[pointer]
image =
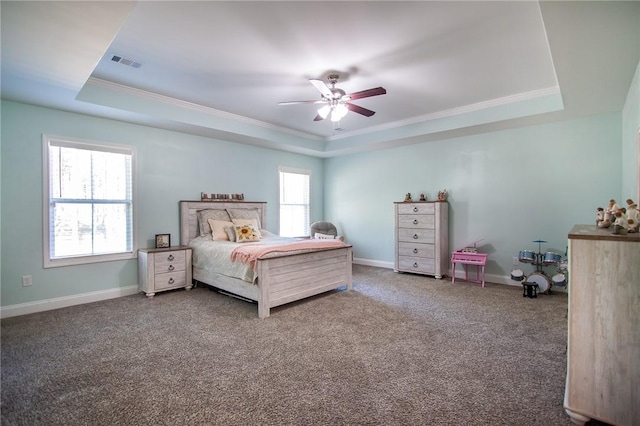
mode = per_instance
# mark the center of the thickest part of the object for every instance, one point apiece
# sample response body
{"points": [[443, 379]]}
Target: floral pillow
{"points": [[251, 222], [246, 233]]}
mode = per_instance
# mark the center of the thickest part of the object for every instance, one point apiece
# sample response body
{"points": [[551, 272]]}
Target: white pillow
{"points": [[245, 214], [217, 227], [251, 222], [231, 233], [205, 215], [320, 236]]}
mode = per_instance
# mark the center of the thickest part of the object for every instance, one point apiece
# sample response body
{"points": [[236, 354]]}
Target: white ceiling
{"points": [[219, 69]]}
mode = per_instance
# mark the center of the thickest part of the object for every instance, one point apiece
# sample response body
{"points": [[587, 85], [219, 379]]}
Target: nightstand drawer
{"points": [[169, 261], [169, 280]]}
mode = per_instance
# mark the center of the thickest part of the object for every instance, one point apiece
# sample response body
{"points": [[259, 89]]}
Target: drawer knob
{"points": [[415, 250], [171, 268], [415, 221], [170, 257], [415, 209], [415, 264], [415, 236], [171, 281]]}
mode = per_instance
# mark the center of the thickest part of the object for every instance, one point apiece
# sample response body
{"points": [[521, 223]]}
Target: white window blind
{"points": [[89, 211], [294, 202]]}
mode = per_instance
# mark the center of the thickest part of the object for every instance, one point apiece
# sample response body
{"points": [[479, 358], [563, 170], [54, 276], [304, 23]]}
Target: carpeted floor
{"points": [[399, 349]]}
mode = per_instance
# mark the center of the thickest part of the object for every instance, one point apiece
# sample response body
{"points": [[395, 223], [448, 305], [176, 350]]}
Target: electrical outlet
{"points": [[516, 262], [26, 281]]}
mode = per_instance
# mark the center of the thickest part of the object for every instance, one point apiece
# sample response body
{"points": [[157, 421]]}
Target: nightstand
{"points": [[164, 269]]}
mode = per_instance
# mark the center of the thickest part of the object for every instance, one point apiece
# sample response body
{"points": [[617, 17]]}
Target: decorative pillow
{"points": [[319, 236], [217, 227], [251, 222], [231, 233], [205, 215], [245, 233], [245, 214]]}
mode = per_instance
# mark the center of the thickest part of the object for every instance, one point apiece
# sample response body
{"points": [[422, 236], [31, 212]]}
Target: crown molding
{"points": [[467, 109], [98, 82]]}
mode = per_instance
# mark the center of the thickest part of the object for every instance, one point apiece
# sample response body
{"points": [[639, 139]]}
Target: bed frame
{"points": [[282, 279]]}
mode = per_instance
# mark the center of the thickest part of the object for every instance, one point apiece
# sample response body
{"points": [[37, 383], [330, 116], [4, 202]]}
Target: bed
{"points": [[273, 278]]}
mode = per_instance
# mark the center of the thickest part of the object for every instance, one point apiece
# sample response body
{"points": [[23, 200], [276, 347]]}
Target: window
{"points": [[89, 210], [294, 202]]}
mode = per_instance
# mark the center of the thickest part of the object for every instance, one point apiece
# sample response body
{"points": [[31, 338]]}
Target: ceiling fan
{"points": [[335, 102]]}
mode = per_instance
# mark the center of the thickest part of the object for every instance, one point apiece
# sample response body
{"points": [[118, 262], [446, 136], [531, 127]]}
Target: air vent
{"points": [[125, 61]]}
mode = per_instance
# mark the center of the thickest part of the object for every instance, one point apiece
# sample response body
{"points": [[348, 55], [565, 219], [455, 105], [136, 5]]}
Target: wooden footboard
{"points": [[289, 278]]}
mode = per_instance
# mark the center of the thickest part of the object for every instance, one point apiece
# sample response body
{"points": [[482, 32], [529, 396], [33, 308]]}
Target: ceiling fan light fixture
{"points": [[338, 112], [336, 103], [324, 111]]}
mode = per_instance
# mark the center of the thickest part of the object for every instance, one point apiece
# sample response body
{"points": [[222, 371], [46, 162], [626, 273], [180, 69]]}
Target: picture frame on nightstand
{"points": [[163, 240]]}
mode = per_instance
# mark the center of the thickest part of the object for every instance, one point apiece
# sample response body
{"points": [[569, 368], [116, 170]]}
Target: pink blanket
{"points": [[249, 253]]}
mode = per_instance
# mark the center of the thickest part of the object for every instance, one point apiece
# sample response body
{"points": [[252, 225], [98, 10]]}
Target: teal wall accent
{"points": [[509, 187], [631, 140], [171, 166]]}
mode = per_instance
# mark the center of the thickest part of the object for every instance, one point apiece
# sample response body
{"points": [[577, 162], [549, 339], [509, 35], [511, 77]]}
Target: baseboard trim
{"points": [[64, 302], [96, 296], [488, 278], [376, 263]]}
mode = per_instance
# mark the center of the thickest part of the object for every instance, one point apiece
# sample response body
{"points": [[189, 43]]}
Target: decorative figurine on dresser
{"points": [[421, 237]]}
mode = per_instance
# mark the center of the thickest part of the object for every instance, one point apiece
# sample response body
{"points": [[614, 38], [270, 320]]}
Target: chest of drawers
{"points": [[422, 238], [603, 342], [164, 269]]}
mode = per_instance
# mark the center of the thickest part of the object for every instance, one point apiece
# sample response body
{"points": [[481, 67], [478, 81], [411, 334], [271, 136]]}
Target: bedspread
{"points": [[215, 256], [249, 253]]}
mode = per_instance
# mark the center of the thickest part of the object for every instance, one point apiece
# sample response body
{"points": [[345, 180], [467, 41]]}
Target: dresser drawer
{"points": [[417, 250], [169, 261], [416, 208], [417, 235], [416, 264], [170, 280], [416, 221]]}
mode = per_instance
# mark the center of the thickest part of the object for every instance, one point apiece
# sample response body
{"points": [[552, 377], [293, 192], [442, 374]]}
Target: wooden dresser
{"points": [[164, 269], [603, 353], [422, 238]]}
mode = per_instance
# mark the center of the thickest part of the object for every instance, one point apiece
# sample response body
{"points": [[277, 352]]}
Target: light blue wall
{"points": [[631, 140], [170, 167], [509, 187]]}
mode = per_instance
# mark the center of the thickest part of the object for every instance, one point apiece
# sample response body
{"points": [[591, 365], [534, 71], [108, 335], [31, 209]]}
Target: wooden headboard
{"points": [[189, 214]]}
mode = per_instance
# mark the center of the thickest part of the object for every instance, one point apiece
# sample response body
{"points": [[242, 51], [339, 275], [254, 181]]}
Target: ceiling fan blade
{"points": [[367, 93], [319, 101], [318, 118], [322, 87], [356, 108]]}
